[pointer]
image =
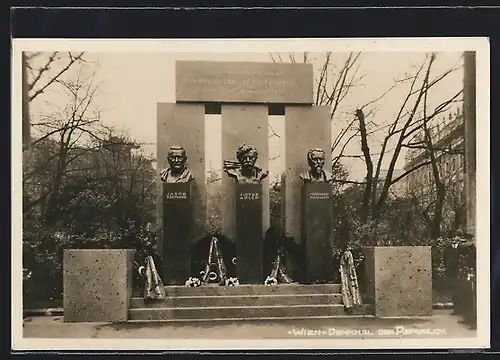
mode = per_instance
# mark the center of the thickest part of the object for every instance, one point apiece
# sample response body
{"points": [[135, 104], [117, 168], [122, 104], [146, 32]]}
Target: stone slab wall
{"points": [[243, 82]]}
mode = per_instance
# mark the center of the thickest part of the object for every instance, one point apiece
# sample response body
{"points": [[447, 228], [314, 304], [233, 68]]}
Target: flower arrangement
{"points": [[232, 281], [193, 282], [270, 280]]}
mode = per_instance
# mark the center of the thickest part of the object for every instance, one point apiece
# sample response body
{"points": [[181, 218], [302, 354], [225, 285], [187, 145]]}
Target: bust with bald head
{"points": [[178, 172], [316, 173]]}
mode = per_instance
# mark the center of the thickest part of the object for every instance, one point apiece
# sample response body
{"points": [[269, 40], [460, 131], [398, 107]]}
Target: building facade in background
{"points": [[447, 134]]}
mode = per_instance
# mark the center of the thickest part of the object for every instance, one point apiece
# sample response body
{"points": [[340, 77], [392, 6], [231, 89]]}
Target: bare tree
{"points": [[334, 82], [49, 70], [412, 117], [40, 72], [70, 130]]}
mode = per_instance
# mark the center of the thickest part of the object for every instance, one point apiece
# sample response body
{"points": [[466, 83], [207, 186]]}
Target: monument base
{"points": [[249, 234], [399, 280], [97, 285], [317, 231], [178, 225]]}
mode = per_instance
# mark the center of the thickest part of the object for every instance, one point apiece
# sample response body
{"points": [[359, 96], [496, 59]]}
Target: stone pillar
{"points": [[317, 231], [470, 138], [249, 233], [306, 127], [243, 124], [178, 220], [97, 284], [183, 125]]}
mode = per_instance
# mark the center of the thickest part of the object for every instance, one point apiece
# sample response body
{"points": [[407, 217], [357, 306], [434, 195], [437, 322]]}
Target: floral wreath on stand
{"points": [[278, 272], [215, 260]]}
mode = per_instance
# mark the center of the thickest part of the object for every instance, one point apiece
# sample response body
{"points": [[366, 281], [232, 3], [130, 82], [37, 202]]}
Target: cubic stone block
{"points": [[97, 284], [399, 280], [244, 82]]}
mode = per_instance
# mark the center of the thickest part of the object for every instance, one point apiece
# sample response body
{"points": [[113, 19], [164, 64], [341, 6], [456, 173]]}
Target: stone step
{"points": [[239, 300], [241, 312], [214, 290]]}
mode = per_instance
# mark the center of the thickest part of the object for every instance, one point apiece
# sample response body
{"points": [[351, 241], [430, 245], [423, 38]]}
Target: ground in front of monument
{"points": [[440, 325]]}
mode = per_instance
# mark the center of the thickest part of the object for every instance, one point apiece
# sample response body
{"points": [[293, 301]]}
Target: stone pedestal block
{"points": [[178, 225], [399, 280], [317, 231], [249, 239], [97, 285]]}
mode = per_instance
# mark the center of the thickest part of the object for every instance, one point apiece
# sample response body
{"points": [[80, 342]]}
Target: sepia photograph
{"points": [[266, 194]]}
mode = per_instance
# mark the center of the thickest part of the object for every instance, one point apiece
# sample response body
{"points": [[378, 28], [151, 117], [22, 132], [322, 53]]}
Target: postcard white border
{"points": [[479, 45]]}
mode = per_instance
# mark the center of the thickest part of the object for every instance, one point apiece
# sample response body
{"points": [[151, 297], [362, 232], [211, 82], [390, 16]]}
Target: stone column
{"points": [[306, 127], [470, 138], [183, 125], [243, 124]]}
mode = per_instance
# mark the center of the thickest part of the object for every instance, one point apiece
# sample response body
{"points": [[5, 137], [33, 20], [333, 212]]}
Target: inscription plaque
{"points": [[178, 221], [317, 231], [249, 238], [244, 82]]}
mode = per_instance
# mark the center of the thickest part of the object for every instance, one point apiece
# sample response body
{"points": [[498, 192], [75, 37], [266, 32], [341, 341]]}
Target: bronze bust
{"points": [[178, 172], [244, 170], [316, 174]]}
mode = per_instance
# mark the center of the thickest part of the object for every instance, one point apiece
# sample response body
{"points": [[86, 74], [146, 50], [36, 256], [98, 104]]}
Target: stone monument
{"points": [[317, 218], [178, 217], [245, 92], [248, 179]]}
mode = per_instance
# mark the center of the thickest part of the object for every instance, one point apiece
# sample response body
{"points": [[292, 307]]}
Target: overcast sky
{"points": [[132, 83]]}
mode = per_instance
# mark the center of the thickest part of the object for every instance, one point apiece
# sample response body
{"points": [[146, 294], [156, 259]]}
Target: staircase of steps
{"points": [[244, 302]]}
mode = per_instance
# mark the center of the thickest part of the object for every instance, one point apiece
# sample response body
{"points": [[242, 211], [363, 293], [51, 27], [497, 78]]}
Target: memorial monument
{"points": [[244, 93], [248, 213], [317, 218], [178, 217]]}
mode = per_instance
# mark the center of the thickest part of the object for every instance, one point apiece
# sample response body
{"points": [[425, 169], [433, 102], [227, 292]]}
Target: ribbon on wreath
{"points": [[215, 262], [153, 286], [231, 165]]}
